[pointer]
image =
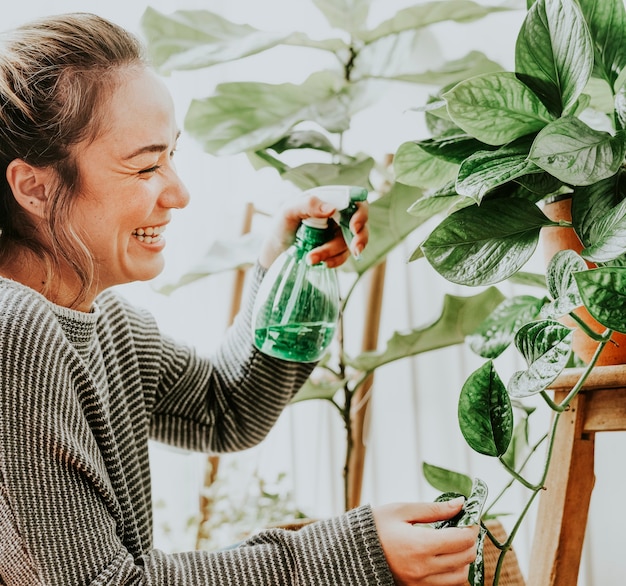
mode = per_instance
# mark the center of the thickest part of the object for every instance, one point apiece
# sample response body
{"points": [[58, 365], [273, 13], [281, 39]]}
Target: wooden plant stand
{"points": [[564, 505]]}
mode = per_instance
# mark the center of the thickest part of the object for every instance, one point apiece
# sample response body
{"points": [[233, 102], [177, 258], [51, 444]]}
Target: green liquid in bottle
{"points": [[303, 342]]}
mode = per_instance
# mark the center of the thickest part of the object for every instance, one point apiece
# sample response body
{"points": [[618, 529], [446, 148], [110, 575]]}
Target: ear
{"points": [[30, 185]]}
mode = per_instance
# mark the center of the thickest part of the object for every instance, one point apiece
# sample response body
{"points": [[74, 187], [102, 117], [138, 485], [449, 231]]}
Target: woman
{"points": [[87, 136]]}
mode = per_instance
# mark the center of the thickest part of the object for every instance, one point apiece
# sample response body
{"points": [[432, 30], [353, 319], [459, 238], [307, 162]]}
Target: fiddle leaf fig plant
{"points": [[275, 123], [506, 144]]}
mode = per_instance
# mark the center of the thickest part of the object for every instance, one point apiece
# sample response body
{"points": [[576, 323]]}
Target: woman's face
{"points": [[129, 183]]}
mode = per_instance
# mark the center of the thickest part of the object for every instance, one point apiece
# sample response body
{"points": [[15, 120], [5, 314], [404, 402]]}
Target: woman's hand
{"points": [[419, 555], [333, 253]]}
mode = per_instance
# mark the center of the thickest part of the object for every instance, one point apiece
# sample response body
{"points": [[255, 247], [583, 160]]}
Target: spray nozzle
{"points": [[344, 199]]}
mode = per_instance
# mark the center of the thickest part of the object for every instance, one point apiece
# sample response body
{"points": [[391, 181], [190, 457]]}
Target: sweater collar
{"points": [[78, 326]]}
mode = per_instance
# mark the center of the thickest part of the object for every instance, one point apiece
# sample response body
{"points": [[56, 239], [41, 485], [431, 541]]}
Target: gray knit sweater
{"points": [[81, 394]]}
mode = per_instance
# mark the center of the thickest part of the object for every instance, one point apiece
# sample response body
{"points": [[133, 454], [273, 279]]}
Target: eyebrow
{"points": [[150, 148]]}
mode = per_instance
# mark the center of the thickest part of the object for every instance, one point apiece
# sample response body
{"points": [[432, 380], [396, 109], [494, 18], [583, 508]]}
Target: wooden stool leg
{"points": [[564, 505]]}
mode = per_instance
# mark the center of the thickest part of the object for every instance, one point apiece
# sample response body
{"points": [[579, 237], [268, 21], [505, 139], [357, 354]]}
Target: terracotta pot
{"points": [[555, 239]]}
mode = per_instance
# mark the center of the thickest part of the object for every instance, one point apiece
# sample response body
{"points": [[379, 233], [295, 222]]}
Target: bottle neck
{"points": [[308, 237]]}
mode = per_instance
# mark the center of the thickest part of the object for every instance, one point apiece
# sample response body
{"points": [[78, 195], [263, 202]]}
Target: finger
{"points": [[333, 253], [449, 539], [431, 512], [456, 577]]}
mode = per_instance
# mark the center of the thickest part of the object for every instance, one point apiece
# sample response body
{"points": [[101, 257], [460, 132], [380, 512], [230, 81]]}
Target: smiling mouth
{"points": [[149, 234]]}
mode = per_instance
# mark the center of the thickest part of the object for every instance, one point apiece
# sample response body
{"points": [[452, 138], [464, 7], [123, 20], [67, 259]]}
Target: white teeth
{"points": [[149, 234]]}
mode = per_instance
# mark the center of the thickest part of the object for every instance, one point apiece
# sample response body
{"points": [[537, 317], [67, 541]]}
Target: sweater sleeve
{"points": [[230, 401], [342, 551]]}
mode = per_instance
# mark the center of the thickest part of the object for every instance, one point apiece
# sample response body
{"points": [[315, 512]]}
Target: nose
{"points": [[175, 194]]}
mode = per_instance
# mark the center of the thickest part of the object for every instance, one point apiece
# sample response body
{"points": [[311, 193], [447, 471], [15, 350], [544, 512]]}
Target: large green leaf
{"points": [[451, 72], [313, 174], [348, 15], [607, 24], [193, 39], [577, 154], [415, 166], [243, 116], [495, 334], [453, 146], [485, 413], [389, 225], [591, 202], [547, 346], [428, 13], [562, 285], [446, 480], [554, 53], [304, 139], [496, 108], [608, 236], [432, 204], [485, 170], [318, 389], [459, 317], [603, 291], [487, 243]]}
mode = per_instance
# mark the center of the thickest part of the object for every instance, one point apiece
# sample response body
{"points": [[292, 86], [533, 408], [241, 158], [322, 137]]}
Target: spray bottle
{"points": [[297, 307]]}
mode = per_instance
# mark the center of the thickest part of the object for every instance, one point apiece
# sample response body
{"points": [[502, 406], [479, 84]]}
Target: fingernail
{"points": [[356, 252], [326, 208], [454, 503]]}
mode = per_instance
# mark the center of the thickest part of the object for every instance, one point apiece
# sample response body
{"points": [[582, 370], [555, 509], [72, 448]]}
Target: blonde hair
{"points": [[56, 74]]}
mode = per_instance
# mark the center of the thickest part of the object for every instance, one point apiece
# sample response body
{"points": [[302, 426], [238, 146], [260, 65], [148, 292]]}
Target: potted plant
{"points": [[503, 146], [274, 124]]}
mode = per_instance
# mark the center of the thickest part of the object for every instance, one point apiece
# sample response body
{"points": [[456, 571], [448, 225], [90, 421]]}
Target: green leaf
{"points": [[191, 39], [447, 480], [451, 72], [577, 154], [485, 244], [313, 174], [495, 334], [304, 139], [431, 205], [607, 25], [528, 279], [459, 317], [223, 255], [547, 346], [540, 184], [608, 235], [428, 13], [321, 389], [590, 203], [519, 444], [485, 413], [348, 15], [603, 292], [243, 116], [562, 285], [453, 146], [389, 225], [415, 166], [496, 108], [485, 170], [554, 53]]}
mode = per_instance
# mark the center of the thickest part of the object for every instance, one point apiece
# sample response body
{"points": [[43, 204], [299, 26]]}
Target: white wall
{"points": [[414, 401]]}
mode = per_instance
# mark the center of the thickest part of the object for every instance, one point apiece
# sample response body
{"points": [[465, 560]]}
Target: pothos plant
{"points": [[271, 122], [502, 145]]}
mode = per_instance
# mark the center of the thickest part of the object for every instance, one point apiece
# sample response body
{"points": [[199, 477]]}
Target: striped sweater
{"points": [[80, 396]]}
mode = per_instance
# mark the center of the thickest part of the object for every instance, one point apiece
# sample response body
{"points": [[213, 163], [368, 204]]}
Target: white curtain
{"points": [[412, 416]]}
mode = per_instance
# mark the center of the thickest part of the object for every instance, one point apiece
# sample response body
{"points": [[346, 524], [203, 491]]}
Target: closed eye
{"points": [[150, 170]]}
